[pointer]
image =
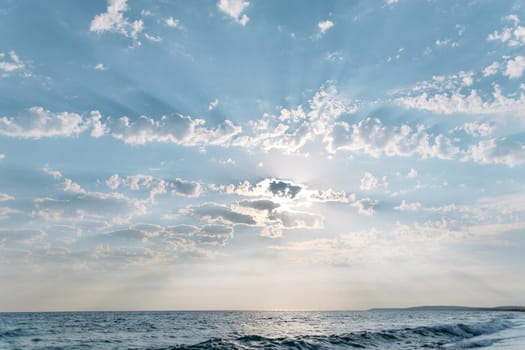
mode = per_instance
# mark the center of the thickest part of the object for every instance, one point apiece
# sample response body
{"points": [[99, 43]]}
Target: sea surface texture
{"points": [[263, 330]]}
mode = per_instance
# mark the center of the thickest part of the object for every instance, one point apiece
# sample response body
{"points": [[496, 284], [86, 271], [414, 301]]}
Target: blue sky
{"points": [[261, 154]]}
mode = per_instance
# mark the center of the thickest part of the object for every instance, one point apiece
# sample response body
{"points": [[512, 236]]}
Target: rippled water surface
{"points": [[263, 330]]}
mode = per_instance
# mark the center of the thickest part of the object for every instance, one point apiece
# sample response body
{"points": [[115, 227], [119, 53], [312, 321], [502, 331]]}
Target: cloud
{"points": [[370, 136], [412, 173], [368, 182], [55, 174], [324, 26], [4, 197], [456, 102], [235, 9], [404, 206], [213, 104], [475, 129], [365, 206], [293, 128], [40, 123], [23, 236], [11, 62], [173, 23], [491, 69], [178, 129], [284, 191], [113, 20], [515, 67], [100, 66], [153, 38], [262, 213], [155, 186], [110, 207], [212, 212], [512, 36], [506, 151]]}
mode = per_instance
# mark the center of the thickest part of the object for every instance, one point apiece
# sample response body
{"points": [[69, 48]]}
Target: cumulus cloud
{"points": [[110, 207], [365, 206], [368, 182], [323, 26], [491, 69], [113, 20], [293, 128], [515, 67], [284, 191], [513, 35], [155, 186], [506, 151], [100, 66], [21, 236], [412, 173], [39, 123], [213, 104], [55, 174], [173, 23], [457, 102], [4, 197], [178, 129], [404, 206], [264, 214], [235, 9], [372, 137], [10, 62]]}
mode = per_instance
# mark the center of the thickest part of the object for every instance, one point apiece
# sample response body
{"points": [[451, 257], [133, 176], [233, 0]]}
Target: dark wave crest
{"points": [[405, 338]]}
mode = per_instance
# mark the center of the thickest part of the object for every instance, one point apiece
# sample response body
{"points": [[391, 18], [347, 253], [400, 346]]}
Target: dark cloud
{"points": [[260, 204], [214, 212], [284, 189]]}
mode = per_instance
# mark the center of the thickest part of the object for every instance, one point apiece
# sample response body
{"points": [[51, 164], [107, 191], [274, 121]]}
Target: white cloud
{"points": [[456, 102], [370, 136], [39, 123], [324, 26], [235, 9], [113, 20], [2, 156], [368, 182], [154, 38], [391, 2], [404, 206], [100, 66], [10, 62], [155, 186], [69, 185], [365, 206], [412, 173], [515, 67], [512, 36], [491, 69], [173, 23], [503, 151], [293, 128], [4, 197], [55, 174], [178, 129], [475, 129], [213, 104]]}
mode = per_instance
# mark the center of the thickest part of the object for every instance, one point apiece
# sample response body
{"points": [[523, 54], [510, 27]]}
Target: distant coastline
{"points": [[451, 308]]}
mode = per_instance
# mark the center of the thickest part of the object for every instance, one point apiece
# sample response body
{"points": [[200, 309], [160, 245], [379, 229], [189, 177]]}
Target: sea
{"points": [[380, 329]]}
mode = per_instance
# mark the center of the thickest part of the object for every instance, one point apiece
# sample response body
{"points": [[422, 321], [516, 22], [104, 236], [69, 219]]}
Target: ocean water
{"points": [[264, 330]]}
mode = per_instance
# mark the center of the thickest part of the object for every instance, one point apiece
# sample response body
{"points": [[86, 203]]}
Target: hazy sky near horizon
{"points": [[259, 154]]}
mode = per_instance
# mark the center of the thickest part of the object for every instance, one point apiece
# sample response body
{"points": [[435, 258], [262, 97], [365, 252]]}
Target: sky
{"points": [[261, 155]]}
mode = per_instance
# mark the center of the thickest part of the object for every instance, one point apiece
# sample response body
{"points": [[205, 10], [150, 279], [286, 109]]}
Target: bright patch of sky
{"points": [[240, 154]]}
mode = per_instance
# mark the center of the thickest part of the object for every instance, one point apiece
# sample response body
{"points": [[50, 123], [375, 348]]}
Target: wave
{"points": [[404, 338]]}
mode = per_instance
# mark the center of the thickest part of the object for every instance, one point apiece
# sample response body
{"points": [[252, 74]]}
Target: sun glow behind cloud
{"points": [[231, 155]]}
